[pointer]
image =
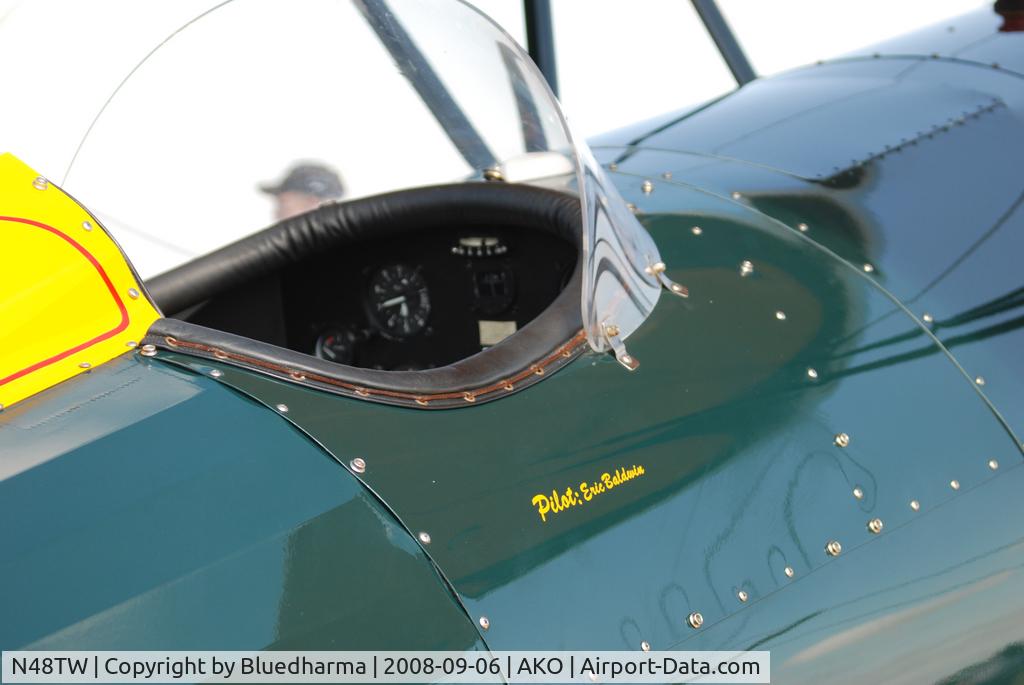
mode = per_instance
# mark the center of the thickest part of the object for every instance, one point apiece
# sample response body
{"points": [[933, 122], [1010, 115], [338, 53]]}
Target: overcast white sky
{"points": [[619, 62]]}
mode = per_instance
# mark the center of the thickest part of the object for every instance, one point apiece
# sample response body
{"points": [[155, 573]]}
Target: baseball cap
{"points": [[312, 179]]}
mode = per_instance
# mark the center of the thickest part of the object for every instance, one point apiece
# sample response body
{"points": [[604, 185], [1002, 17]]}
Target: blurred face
{"points": [[290, 203]]}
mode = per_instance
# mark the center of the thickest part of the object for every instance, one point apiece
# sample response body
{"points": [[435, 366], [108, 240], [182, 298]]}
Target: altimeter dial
{"points": [[399, 300]]}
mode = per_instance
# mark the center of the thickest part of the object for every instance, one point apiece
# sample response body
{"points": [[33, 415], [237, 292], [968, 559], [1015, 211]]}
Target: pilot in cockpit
{"points": [[306, 186]]}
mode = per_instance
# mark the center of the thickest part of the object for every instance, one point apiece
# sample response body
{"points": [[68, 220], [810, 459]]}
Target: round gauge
{"points": [[336, 345], [399, 300]]}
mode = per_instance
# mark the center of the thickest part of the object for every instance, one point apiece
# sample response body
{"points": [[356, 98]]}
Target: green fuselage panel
{"points": [[142, 507]]}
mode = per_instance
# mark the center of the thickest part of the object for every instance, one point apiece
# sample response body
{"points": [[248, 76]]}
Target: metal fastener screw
{"points": [[812, 373], [283, 408], [955, 484], [833, 548], [696, 230], [133, 293], [647, 187], [780, 315], [485, 622], [131, 343], [842, 440], [645, 645], [742, 595], [915, 505], [358, 465], [40, 183], [993, 464], [87, 225], [858, 493], [746, 267], [802, 227], [424, 537], [216, 373], [148, 351], [789, 571], [695, 620], [928, 318], [875, 526]]}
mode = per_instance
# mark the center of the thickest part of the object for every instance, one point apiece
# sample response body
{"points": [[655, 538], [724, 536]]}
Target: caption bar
{"points": [[386, 667]]}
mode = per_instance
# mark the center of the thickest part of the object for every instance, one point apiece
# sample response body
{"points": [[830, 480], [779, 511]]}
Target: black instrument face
{"points": [[399, 301], [337, 345]]}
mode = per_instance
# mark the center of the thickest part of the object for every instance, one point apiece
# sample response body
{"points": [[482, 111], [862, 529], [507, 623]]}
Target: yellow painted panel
{"points": [[69, 300]]}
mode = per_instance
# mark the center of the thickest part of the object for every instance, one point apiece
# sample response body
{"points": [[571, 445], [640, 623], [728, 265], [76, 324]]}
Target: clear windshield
{"points": [[257, 110]]}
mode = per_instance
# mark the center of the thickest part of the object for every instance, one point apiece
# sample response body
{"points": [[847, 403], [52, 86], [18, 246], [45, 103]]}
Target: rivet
{"points": [[667, 175], [362, 392], [842, 440], [802, 227], [424, 537], [148, 351], [647, 187], [40, 183], [131, 343], [993, 464], [358, 465], [789, 571], [493, 174], [219, 354], [469, 397], [833, 548], [631, 207], [422, 402], [858, 493], [612, 166], [539, 371], [736, 195], [509, 387], [87, 225], [85, 365], [297, 375], [812, 373], [868, 268], [780, 315], [746, 267], [955, 484], [928, 318], [485, 622], [645, 645], [915, 505], [742, 595], [696, 230], [173, 342], [695, 620], [216, 373], [283, 408], [875, 526], [611, 330], [980, 380], [133, 293]]}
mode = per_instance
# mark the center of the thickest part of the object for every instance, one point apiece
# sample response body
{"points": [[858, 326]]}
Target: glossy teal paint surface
{"points": [[146, 508], [742, 476], [895, 175]]}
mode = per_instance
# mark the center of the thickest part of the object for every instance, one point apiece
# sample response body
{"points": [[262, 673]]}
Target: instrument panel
{"points": [[422, 300]]}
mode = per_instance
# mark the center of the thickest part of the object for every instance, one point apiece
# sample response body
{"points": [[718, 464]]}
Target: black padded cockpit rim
{"points": [[541, 347]]}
